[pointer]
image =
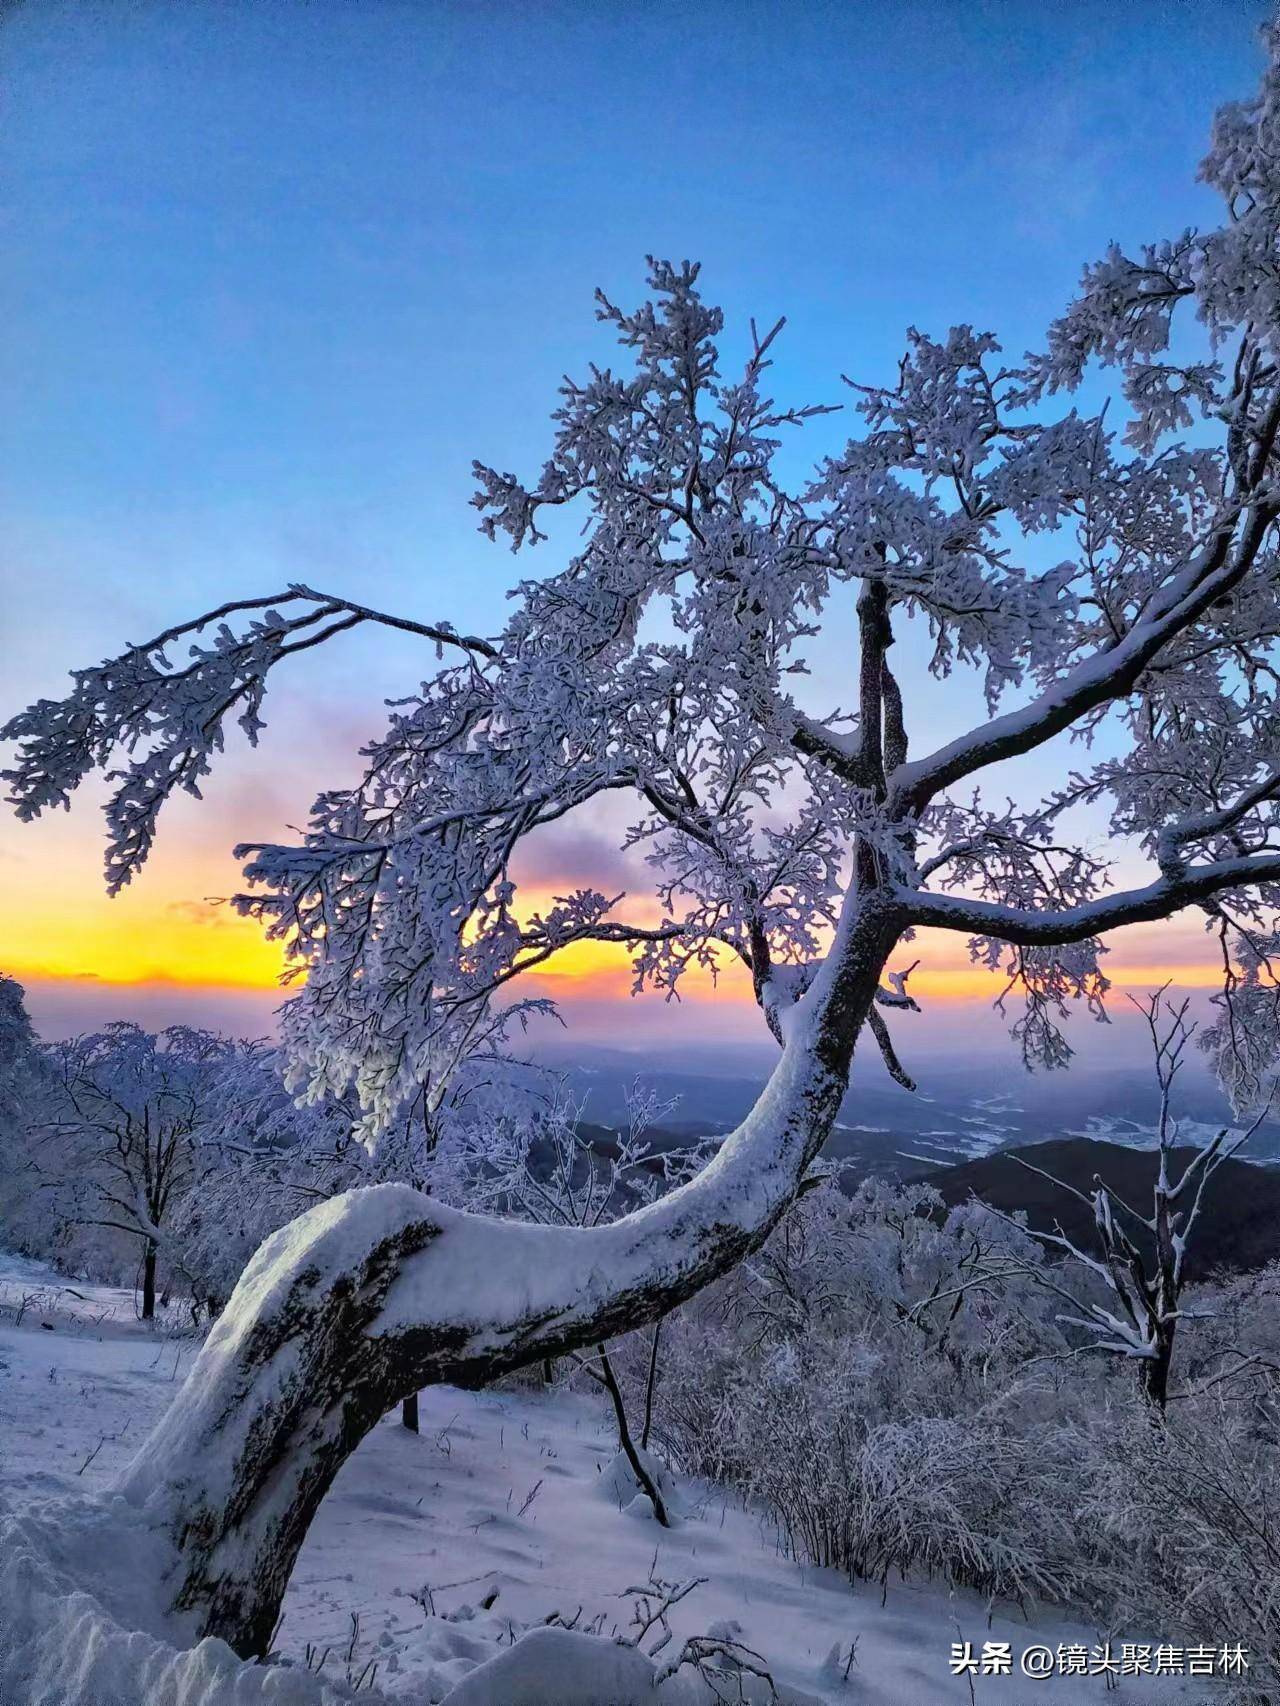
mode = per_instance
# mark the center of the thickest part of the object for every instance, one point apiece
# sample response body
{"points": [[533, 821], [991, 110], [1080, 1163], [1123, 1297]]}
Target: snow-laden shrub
{"points": [[888, 1401], [972, 1499], [894, 1392], [885, 1292], [1191, 1509]]}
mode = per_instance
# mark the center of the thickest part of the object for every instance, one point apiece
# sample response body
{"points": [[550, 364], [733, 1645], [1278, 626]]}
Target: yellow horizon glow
{"points": [[164, 950], [151, 936], [154, 952]]}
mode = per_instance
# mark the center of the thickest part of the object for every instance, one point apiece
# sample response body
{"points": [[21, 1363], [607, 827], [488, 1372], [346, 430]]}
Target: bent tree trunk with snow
{"points": [[664, 661], [382, 1291]]}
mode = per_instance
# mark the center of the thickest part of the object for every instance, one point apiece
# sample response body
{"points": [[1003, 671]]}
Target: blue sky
{"points": [[276, 273]]}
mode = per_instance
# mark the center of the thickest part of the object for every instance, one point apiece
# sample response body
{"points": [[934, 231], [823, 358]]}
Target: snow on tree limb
{"points": [[1029, 925]]}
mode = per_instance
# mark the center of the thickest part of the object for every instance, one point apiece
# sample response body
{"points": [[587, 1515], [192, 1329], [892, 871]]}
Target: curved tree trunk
{"points": [[371, 1295]]}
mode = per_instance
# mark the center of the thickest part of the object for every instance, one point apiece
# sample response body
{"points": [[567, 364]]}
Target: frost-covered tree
{"points": [[20, 1087], [117, 1135], [663, 662], [261, 1160], [18, 1060], [1136, 1274]]}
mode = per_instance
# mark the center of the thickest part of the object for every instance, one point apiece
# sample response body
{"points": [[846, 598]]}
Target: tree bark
{"points": [[652, 1380], [149, 1281], [368, 1297], [409, 1413], [1154, 1372], [646, 1482]]}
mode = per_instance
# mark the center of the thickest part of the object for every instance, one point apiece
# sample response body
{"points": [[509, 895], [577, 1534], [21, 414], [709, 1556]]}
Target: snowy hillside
{"points": [[433, 1554]]}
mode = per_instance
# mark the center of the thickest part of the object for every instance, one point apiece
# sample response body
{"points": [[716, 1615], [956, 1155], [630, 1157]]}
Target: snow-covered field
{"points": [[433, 1553]]}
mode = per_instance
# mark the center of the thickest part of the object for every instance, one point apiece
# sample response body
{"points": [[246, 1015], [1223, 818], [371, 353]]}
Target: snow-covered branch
{"points": [[177, 712], [1158, 899]]}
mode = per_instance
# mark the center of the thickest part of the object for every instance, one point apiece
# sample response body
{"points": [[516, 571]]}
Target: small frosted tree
{"points": [[1137, 1272], [21, 1083], [18, 1061], [663, 662], [118, 1132], [260, 1161]]}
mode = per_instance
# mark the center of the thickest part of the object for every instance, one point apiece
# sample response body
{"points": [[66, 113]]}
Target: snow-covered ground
{"points": [[503, 1512]]}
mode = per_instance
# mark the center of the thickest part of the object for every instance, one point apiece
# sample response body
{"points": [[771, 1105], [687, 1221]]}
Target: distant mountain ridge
{"points": [[959, 1113], [1238, 1226], [962, 1130]]}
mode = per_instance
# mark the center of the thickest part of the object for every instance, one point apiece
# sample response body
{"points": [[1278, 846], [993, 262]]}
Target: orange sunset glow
{"points": [[145, 936]]}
